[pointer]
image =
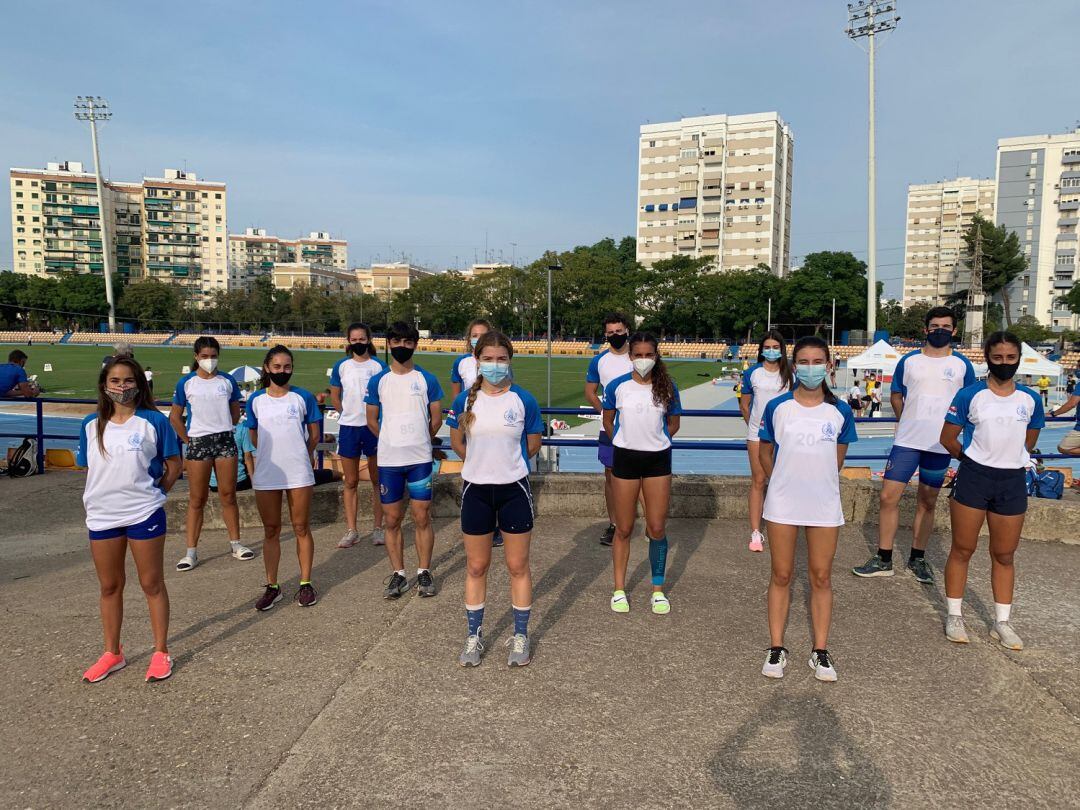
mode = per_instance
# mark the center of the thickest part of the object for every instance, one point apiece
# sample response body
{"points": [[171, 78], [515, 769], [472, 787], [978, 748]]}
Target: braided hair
{"points": [[489, 338], [663, 389]]}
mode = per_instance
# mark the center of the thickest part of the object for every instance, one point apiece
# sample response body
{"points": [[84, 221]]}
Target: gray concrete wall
{"points": [[704, 497]]}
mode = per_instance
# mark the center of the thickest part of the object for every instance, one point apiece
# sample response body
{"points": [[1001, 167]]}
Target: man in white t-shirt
{"points": [[604, 368], [923, 386]]}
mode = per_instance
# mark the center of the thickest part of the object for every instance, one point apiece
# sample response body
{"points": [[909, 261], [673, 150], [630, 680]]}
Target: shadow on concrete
{"points": [[794, 753]]}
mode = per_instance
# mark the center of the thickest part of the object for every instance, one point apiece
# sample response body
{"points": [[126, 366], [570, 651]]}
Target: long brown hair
{"points": [[264, 377], [468, 332], [787, 375], [663, 389], [489, 338], [106, 407]]}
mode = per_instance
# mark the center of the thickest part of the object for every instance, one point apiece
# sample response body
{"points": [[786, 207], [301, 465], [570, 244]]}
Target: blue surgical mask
{"points": [[494, 373], [474, 341], [772, 355], [811, 376]]}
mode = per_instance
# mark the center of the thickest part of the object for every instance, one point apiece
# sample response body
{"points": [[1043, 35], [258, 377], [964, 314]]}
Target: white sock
{"points": [[954, 606], [419, 571], [400, 571], [193, 553], [1001, 612], [235, 544]]}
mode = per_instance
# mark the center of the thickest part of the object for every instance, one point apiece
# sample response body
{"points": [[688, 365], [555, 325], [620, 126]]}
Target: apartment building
{"points": [[938, 215], [486, 268], [1038, 198], [255, 252], [287, 275], [716, 186], [386, 279], [171, 228]]}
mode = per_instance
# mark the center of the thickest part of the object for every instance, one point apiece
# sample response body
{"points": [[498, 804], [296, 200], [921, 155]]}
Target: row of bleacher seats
{"points": [[249, 341], [134, 338], [37, 337]]}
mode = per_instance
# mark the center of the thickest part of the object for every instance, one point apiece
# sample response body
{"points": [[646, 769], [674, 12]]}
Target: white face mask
{"points": [[643, 365], [208, 364]]}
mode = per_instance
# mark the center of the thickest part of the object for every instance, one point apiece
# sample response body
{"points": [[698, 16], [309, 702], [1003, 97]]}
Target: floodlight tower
{"points": [[867, 18], [94, 109]]}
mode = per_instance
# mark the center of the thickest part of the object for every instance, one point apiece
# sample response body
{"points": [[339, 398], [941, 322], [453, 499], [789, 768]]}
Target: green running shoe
{"points": [[619, 602]]}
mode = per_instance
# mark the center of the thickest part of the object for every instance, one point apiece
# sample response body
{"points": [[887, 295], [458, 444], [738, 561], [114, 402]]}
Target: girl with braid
{"points": [[495, 427], [641, 414]]}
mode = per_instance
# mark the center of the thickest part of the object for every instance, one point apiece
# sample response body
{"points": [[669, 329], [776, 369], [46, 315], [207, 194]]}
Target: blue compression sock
{"points": [[658, 559], [475, 616], [521, 620]]}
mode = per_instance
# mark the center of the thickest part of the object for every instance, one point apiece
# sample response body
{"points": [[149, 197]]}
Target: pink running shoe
{"points": [[105, 666], [757, 541], [160, 667]]}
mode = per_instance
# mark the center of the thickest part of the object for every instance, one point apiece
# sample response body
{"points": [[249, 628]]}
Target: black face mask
{"points": [[402, 353], [279, 377], [617, 341], [1003, 371], [939, 338], [359, 349]]}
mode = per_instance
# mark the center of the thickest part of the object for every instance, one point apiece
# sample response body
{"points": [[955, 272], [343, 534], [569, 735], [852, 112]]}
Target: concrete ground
{"points": [[360, 702]]}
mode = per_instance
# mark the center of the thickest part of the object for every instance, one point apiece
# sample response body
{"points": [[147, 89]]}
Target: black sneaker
{"points": [[497, 539], [425, 584], [608, 535], [398, 585], [271, 596], [306, 596]]}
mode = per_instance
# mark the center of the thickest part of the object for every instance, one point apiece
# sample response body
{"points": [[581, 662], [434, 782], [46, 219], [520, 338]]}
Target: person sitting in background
{"points": [[13, 379]]}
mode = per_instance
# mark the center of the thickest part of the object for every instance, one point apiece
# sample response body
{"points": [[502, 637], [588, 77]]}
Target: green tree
{"points": [[1030, 330], [901, 322], [1002, 260], [11, 284], [736, 303], [807, 295], [149, 302], [671, 297], [41, 298]]}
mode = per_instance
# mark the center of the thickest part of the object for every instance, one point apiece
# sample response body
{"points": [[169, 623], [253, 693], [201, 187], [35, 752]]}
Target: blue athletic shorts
{"points": [[605, 453], [1003, 492], [393, 480], [903, 461], [356, 441], [485, 507], [153, 526]]}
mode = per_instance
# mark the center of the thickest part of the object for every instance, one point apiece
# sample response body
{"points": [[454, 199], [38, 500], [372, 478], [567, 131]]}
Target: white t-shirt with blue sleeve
{"points": [[762, 386], [640, 424], [282, 460], [404, 402], [464, 371], [606, 367], [497, 449], [804, 489], [352, 377], [995, 427], [928, 385], [122, 484], [207, 402]]}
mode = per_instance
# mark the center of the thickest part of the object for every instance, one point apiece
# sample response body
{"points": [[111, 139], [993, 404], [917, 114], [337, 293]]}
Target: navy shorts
{"points": [[153, 526], [903, 461], [605, 453], [508, 507], [356, 441], [638, 464], [394, 480], [1003, 492]]}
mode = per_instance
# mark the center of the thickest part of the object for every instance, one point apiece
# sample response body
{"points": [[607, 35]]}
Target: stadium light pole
{"points": [[94, 109], [867, 18]]}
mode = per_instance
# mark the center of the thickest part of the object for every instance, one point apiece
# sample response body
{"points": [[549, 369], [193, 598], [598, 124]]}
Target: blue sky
{"points": [[434, 128]]}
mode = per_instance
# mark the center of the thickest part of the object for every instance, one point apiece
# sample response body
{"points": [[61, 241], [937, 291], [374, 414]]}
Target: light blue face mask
{"points": [[474, 341], [811, 376], [772, 355], [494, 373]]}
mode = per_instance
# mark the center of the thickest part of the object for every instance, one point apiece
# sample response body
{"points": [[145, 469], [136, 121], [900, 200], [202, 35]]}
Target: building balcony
{"points": [[1066, 237], [1069, 205], [1063, 283], [1070, 160]]}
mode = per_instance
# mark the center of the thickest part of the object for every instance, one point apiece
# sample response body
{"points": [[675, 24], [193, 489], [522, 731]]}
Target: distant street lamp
{"points": [[94, 109]]}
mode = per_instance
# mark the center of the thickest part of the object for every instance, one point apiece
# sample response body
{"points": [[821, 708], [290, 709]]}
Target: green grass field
{"points": [[75, 370]]}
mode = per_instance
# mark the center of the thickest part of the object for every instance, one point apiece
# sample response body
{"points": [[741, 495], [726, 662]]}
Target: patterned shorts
{"points": [[211, 446]]}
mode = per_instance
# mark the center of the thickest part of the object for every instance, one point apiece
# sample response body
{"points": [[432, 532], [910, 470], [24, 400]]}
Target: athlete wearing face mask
{"points": [[464, 369], [604, 368], [205, 409], [992, 426], [349, 379], [923, 385]]}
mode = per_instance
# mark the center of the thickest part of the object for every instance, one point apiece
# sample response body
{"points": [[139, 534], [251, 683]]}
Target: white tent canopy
{"points": [[1031, 362], [879, 357]]}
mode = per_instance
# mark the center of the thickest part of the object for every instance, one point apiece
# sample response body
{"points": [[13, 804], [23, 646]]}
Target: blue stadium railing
{"points": [[550, 441]]}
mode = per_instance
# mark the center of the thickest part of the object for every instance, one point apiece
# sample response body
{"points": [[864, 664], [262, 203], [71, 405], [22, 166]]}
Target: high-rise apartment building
{"points": [[386, 279], [1038, 198], [171, 228], [255, 252], [716, 186], [938, 215]]}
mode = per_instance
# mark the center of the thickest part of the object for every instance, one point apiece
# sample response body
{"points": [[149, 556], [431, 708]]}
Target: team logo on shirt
{"points": [[1022, 415], [415, 387], [135, 441], [510, 417], [828, 432], [952, 410], [293, 412], [222, 389], [949, 374]]}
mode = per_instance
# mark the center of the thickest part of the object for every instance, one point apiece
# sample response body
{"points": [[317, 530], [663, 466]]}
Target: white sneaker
{"points": [[1003, 633], [821, 663], [349, 539], [378, 537], [757, 541], [775, 663]]}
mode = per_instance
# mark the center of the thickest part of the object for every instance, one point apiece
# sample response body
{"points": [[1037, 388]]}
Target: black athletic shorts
{"points": [[636, 464], [506, 506], [1003, 492], [211, 446]]}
